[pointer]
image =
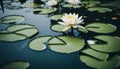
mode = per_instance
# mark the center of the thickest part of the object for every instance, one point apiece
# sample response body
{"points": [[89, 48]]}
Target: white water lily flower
{"points": [[91, 42], [71, 21], [51, 2], [75, 2]]}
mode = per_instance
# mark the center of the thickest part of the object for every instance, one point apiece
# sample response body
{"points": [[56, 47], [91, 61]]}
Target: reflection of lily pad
{"points": [[56, 17], [25, 29], [57, 27], [70, 5], [100, 9], [101, 27], [37, 44], [45, 11], [16, 65], [96, 54], [12, 19], [111, 46], [108, 64], [11, 37], [72, 45]]}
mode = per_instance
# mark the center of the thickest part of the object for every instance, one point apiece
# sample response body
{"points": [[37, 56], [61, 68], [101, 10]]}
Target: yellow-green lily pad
{"points": [[38, 44], [55, 17], [111, 63], [57, 28], [70, 5], [16, 65], [11, 37], [101, 28], [73, 44], [12, 19], [91, 3], [99, 9], [111, 46], [96, 54]]}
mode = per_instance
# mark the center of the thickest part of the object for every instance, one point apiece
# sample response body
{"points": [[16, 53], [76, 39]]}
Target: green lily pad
{"points": [[25, 29], [45, 11], [16, 65], [12, 19], [94, 63], [84, 30], [99, 9], [96, 54], [91, 3], [55, 17], [37, 44], [101, 28], [11, 37], [56, 41], [57, 28], [70, 5], [111, 46], [18, 27], [73, 44]]}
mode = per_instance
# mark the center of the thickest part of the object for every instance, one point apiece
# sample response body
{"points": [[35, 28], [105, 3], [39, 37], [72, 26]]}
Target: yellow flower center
{"points": [[70, 16]]}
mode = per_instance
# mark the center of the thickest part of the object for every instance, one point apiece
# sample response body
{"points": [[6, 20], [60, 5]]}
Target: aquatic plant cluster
{"points": [[97, 46]]}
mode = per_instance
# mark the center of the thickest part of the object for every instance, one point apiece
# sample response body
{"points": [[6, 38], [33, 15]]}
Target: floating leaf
{"points": [[91, 3], [37, 44], [96, 54], [12, 19], [109, 64], [111, 46], [101, 27], [11, 37], [83, 30], [73, 44], [55, 17], [56, 41], [45, 11], [16, 65], [17, 27], [25, 29], [100, 9], [70, 5], [57, 28]]}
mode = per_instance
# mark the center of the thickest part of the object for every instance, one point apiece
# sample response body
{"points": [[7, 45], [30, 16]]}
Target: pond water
{"points": [[47, 59]]}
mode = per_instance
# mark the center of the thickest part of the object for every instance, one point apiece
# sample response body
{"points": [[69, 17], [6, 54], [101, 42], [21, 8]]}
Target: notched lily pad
{"points": [[25, 29], [99, 9], [96, 54], [10, 19], [38, 44], [111, 46], [55, 17], [70, 5], [101, 28], [94, 63], [11, 37], [73, 44], [57, 28], [16, 65]]}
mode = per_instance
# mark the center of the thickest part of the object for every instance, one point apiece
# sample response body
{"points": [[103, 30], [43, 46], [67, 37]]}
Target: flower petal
{"points": [[66, 28]]}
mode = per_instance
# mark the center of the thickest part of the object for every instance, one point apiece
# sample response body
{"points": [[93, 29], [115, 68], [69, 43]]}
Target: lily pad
{"points": [[12, 19], [11, 37], [101, 28], [25, 29], [16, 65], [100, 9], [55, 17], [38, 44], [111, 46], [57, 28], [94, 63], [96, 54], [17, 27], [45, 11], [84, 30], [70, 5], [91, 3], [73, 44]]}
